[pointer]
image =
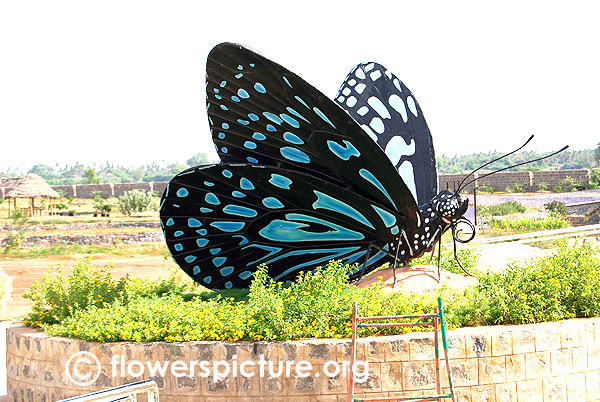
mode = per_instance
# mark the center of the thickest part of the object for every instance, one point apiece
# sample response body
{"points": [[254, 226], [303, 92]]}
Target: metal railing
{"points": [[127, 392]]}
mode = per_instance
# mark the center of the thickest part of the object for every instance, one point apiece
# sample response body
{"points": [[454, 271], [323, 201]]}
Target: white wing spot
{"points": [[396, 148], [346, 91], [351, 101], [388, 74], [341, 99], [377, 125], [398, 104], [352, 82], [379, 107], [397, 84], [363, 111], [369, 67], [375, 75], [360, 74], [412, 106], [408, 176], [360, 88]]}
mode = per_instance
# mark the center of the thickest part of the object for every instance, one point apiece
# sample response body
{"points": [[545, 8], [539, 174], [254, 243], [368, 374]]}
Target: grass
{"points": [[62, 250]]}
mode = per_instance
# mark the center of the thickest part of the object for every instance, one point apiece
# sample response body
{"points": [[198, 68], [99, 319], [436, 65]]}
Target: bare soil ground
{"points": [[25, 272]]}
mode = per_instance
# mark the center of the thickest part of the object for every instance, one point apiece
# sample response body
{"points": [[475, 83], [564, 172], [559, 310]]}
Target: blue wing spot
{"points": [[196, 270], [194, 223], [202, 242], [272, 202], [260, 88], [327, 202], [207, 279], [190, 258], [249, 145], [259, 136], [245, 275], [223, 107], [170, 222], [205, 210], [219, 97], [214, 251], [225, 126], [253, 116], [224, 150], [387, 218], [246, 184], [292, 111], [244, 122], [178, 233], [216, 90], [273, 117], [238, 194], [323, 117], [343, 152], [244, 240], [228, 226], [176, 205], [294, 154], [395, 230], [290, 120], [212, 199], [178, 247], [290, 231], [227, 173], [240, 67], [238, 76], [292, 138], [280, 181], [368, 176], [235, 99], [201, 232], [222, 136], [299, 99], [242, 93], [252, 64], [223, 83], [287, 82], [209, 183], [271, 128], [228, 285], [226, 271], [251, 159], [218, 261], [239, 210]]}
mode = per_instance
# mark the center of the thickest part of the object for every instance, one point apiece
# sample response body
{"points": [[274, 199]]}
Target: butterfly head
{"points": [[450, 206]]}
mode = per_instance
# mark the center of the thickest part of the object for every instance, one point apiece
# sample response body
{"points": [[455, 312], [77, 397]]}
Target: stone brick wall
{"points": [[528, 363], [111, 189], [529, 180]]}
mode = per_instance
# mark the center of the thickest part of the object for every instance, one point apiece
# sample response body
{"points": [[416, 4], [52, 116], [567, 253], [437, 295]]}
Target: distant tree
{"points": [[597, 154], [198, 159], [91, 177], [44, 171]]}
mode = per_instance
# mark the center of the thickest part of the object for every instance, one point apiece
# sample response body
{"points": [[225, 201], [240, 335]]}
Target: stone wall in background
{"points": [[557, 361], [530, 181]]}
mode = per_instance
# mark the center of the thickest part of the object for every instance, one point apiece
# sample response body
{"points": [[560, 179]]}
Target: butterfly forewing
{"points": [[389, 113], [221, 221], [261, 113]]}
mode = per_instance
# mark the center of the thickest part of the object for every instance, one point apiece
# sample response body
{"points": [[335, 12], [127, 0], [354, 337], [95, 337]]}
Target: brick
{"points": [[580, 356], [530, 391], [391, 377], [569, 335], [537, 365], [593, 357], [502, 344], [418, 375], [523, 341], [586, 334], [464, 372], [561, 362], [492, 370], [576, 387], [592, 383], [421, 347], [456, 346], [506, 392], [547, 337], [478, 345], [373, 381], [483, 393], [555, 389], [396, 350], [515, 368]]}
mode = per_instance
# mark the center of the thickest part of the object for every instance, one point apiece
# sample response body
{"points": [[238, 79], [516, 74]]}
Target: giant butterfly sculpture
{"points": [[303, 181]]}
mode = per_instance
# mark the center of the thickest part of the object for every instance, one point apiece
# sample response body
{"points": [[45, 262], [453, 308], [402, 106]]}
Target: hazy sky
{"points": [[123, 81]]}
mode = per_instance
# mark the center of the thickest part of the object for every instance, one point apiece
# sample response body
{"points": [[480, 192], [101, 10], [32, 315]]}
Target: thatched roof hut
{"points": [[31, 186]]}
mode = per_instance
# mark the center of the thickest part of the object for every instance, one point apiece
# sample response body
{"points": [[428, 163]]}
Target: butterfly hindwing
{"points": [[221, 221], [261, 113], [389, 113]]}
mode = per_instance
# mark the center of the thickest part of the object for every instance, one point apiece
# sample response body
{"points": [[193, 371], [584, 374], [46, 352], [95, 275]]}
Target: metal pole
{"points": [[353, 353], [475, 204], [445, 342], [437, 353]]}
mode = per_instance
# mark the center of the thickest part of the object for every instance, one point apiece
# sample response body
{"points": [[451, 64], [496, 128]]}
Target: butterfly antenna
{"points": [[518, 164], [492, 161]]}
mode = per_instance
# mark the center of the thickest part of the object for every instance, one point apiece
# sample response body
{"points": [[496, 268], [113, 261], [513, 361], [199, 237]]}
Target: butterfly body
{"points": [[299, 183]]}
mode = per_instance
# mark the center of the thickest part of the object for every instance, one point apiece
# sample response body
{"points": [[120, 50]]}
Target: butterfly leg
{"points": [[396, 261], [362, 271], [440, 256]]}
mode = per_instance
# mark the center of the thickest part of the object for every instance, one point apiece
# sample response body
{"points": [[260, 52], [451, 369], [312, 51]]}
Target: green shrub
{"points": [[527, 224], [135, 201], [595, 178], [504, 208], [486, 189], [542, 187], [5, 289], [548, 288], [556, 208], [570, 184], [58, 297]]}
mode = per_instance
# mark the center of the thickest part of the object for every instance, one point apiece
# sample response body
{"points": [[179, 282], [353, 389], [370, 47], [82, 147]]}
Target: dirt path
{"points": [[26, 271]]}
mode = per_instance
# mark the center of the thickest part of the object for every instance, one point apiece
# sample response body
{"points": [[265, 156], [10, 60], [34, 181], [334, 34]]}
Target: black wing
{"points": [[261, 113], [388, 111], [221, 221]]}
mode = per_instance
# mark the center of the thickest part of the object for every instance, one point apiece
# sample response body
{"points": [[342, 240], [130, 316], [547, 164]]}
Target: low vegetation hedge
{"points": [[90, 305]]}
